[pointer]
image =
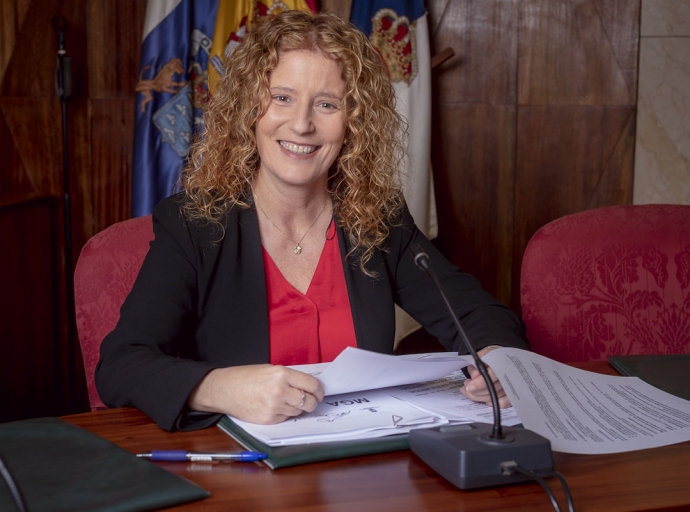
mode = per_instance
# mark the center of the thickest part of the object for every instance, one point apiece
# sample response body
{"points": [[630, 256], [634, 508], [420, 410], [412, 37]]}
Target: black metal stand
{"points": [[63, 88]]}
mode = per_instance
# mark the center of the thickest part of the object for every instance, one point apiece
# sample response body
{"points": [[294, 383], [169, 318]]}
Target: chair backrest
{"points": [[103, 277], [609, 281]]}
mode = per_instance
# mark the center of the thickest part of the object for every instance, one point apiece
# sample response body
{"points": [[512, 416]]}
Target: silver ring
{"points": [[301, 402]]}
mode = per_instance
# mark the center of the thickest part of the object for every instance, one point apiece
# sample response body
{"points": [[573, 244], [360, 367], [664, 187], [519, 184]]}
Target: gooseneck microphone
{"points": [[421, 259], [478, 455]]}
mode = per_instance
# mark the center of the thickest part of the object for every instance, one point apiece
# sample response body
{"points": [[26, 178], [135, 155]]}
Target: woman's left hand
{"points": [[475, 387]]}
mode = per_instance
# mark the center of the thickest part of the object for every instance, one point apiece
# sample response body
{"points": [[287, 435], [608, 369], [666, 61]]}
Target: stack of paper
{"points": [[357, 411], [347, 416], [578, 411]]}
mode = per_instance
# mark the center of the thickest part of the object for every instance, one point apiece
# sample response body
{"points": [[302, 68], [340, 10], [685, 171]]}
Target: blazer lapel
{"points": [[246, 288], [371, 300]]}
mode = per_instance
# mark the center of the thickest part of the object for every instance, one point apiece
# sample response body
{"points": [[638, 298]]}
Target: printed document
{"points": [[443, 397], [586, 412]]}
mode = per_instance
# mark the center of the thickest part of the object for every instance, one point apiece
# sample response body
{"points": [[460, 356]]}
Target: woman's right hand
{"points": [[261, 393]]}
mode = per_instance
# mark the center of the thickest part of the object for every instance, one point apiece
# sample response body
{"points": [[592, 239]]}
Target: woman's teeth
{"points": [[295, 148]]}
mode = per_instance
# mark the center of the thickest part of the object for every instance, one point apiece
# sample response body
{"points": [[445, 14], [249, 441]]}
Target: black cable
{"points": [[13, 487], [539, 478], [541, 482], [566, 491]]}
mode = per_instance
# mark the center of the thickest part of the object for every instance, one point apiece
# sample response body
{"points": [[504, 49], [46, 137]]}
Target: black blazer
{"points": [[199, 303]]}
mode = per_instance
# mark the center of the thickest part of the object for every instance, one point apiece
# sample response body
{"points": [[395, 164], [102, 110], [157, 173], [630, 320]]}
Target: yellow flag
{"points": [[234, 20]]}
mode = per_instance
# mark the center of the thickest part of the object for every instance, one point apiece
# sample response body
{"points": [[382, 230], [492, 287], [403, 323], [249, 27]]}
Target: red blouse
{"points": [[313, 327]]}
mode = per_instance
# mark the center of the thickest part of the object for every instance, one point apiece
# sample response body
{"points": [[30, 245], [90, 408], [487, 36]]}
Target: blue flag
{"points": [[171, 89]]}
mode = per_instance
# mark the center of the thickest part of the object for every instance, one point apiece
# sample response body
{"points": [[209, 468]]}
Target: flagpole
{"points": [[63, 88]]}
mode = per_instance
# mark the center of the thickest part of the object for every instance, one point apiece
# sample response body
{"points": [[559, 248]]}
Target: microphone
{"points": [[63, 69], [478, 455]]}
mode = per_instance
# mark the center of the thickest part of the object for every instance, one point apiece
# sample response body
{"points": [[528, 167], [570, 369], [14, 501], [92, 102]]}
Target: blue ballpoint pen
{"points": [[185, 456]]}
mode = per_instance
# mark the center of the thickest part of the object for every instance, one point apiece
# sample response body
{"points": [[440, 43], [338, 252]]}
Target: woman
{"points": [[288, 244]]}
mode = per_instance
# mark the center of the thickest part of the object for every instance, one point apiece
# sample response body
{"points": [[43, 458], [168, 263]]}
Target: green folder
{"points": [[670, 373], [58, 466], [285, 456]]}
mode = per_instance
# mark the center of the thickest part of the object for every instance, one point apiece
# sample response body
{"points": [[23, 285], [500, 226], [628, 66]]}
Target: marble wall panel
{"points": [[665, 18], [662, 151]]}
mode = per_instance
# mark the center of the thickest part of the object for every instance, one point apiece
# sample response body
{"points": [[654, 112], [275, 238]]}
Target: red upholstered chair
{"points": [[104, 275], [609, 281]]}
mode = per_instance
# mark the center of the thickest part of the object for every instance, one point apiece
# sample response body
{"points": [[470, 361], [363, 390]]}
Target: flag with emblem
{"points": [[171, 89], [181, 39], [235, 20], [399, 30]]}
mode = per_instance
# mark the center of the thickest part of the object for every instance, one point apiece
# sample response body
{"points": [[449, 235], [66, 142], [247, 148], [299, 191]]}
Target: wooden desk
{"points": [[654, 479]]}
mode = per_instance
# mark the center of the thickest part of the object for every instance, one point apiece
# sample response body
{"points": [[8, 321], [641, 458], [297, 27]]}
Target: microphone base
{"points": [[467, 457]]}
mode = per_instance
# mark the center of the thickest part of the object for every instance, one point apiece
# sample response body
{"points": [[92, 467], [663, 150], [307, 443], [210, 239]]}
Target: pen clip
{"points": [[200, 457]]}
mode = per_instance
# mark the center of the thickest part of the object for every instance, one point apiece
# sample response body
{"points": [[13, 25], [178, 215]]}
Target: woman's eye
{"points": [[281, 98], [326, 105]]}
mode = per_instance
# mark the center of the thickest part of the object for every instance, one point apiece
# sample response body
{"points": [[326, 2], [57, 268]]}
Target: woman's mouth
{"points": [[298, 148]]}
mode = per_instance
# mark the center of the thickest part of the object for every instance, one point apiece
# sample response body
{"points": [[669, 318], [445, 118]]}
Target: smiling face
{"points": [[301, 133]]}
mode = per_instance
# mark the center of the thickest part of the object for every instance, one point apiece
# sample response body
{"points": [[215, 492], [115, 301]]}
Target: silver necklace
{"points": [[297, 249]]}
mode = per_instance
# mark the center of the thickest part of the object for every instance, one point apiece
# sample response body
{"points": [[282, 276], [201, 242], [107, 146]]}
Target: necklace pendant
{"points": [[297, 249]]}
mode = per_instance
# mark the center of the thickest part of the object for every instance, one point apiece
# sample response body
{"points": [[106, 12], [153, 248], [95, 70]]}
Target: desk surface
{"points": [[653, 479]]}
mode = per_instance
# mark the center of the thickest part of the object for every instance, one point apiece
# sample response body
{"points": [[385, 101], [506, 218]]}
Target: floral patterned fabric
{"points": [[104, 275], [609, 281]]}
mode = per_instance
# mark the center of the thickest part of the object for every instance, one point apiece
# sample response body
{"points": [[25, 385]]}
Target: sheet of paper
{"points": [[586, 412], [443, 398], [356, 370], [363, 414]]}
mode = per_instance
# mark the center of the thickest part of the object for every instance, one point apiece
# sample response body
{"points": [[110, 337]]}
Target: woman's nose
{"points": [[302, 120]]}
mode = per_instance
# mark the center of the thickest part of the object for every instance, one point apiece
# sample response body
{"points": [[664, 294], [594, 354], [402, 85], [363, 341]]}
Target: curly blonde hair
{"points": [[364, 180]]}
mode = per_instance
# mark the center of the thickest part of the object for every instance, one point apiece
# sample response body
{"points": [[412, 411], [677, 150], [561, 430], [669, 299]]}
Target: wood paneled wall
{"points": [[533, 119], [103, 42], [32, 353]]}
